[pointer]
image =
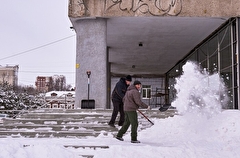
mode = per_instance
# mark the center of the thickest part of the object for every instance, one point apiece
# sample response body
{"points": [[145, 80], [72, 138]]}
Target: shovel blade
{"points": [[88, 104], [164, 107]]}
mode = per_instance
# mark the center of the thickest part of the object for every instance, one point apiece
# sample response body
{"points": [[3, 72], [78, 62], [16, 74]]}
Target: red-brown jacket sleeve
{"points": [[138, 101]]}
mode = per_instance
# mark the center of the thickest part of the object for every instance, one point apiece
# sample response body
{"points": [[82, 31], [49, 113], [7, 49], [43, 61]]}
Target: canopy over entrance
{"points": [[150, 46]]}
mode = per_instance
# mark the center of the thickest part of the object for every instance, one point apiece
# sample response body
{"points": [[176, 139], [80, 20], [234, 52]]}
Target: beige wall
{"points": [[109, 8]]}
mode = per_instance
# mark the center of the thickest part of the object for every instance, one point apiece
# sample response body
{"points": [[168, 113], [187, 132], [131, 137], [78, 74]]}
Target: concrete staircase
{"points": [[68, 122]]}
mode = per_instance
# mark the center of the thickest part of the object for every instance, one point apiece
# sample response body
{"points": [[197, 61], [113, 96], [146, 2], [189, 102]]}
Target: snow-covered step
{"points": [[55, 121], [68, 127], [68, 123], [63, 115], [87, 146], [43, 134]]}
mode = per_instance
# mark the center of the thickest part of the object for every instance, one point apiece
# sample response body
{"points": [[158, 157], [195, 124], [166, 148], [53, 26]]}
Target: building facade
{"points": [[153, 90], [218, 53], [60, 99], [169, 33], [43, 83], [9, 74]]}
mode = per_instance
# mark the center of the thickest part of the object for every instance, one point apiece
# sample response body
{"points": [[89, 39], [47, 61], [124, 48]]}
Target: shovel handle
{"points": [[145, 117]]}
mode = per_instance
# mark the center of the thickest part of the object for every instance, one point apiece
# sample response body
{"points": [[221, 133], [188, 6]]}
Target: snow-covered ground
{"points": [[201, 130], [187, 136]]}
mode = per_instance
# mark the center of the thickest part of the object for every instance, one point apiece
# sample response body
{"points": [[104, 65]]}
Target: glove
{"points": [[149, 108]]}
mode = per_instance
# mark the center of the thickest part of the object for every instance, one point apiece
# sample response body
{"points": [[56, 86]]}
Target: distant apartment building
{"points": [[9, 74], [43, 83]]}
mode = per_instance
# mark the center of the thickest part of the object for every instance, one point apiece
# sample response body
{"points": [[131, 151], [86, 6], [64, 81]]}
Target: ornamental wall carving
{"points": [[82, 8], [141, 7], [109, 8]]}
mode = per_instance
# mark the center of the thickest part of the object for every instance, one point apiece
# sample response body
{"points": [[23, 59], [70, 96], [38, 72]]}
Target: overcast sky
{"points": [[36, 35]]}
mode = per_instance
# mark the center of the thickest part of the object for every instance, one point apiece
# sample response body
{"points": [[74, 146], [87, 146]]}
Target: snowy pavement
{"points": [[187, 136]]}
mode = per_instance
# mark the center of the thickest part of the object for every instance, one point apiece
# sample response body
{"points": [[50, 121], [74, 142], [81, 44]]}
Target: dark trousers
{"points": [[131, 118], [117, 107]]}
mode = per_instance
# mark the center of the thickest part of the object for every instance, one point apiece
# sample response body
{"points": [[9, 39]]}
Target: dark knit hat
{"points": [[129, 78], [136, 82]]}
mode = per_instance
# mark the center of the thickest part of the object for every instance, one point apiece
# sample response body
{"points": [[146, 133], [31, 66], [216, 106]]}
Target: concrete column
{"points": [[91, 56]]}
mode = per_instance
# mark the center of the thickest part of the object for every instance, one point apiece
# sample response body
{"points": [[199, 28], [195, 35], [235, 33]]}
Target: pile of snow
{"points": [[202, 133], [198, 92]]}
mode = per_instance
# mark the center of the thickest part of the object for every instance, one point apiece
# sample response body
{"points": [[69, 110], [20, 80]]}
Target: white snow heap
{"points": [[198, 92]]}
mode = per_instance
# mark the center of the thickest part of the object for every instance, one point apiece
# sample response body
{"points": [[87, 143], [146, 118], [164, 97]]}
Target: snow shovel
{"points": [[145, 117], [89, 103], [164, 107]]}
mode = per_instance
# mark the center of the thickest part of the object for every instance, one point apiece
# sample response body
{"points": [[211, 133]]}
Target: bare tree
{"points": [[59, 83]]}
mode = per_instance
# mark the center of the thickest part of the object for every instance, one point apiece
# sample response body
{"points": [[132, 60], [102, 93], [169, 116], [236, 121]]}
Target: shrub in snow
{"points": [[10, 100]]}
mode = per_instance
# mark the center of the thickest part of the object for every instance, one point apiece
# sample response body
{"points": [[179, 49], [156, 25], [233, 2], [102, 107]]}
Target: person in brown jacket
{"points": [[132, 101]]}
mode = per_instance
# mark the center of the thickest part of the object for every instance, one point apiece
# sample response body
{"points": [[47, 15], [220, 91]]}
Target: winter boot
{"points": [[120, 138], [135, 141], [111, 124]]}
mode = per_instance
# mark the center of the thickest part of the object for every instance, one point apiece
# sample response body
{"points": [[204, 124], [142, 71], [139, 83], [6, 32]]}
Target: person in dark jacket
{"points": [[117, 96], [132, 101]]}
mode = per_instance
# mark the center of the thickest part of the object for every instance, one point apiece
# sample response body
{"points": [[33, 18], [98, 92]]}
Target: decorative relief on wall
{"points": [[83, 10], [78, 8], [153, 7]]}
